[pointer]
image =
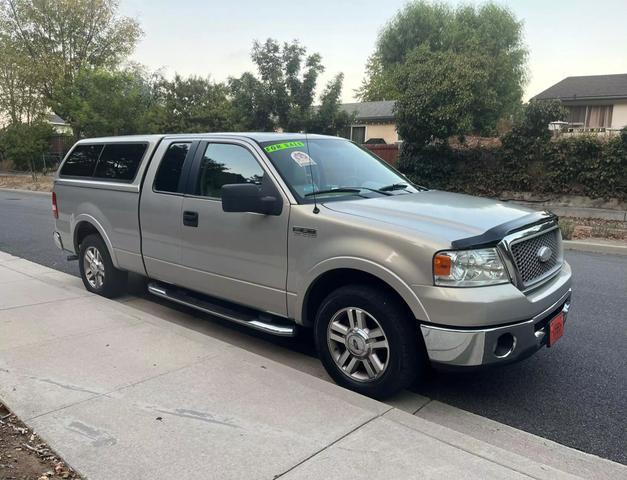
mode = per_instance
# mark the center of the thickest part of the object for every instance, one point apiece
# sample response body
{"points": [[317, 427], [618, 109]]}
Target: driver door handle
{"points": [[190, 219]]}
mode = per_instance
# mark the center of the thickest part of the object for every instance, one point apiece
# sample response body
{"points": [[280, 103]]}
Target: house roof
{"points": [[55, 119], [373, 111], [593, 87]]}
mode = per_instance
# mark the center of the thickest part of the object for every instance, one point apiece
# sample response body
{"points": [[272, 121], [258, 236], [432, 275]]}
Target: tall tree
{"points": [[489, 30], [443, 94], [190, 104], [104, 102], [20, 97], [283, 94], [60, 39], [252, 105], [328, 118]]}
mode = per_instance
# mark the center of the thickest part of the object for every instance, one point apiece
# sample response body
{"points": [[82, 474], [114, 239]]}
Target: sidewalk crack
{"points": [[342, 437], [423, 406]]}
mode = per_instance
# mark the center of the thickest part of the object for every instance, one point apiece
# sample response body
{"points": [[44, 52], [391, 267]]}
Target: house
{"points": [[60, 126], [594, 102], [373, 121]]}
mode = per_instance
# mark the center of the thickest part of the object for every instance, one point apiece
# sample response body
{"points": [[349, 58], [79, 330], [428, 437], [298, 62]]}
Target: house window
{"points": [[358, 134], [590, 116], [599, 116], [577, 116]]}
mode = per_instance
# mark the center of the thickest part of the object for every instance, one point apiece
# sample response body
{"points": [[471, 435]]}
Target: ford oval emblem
{"points": [[544, 254]]}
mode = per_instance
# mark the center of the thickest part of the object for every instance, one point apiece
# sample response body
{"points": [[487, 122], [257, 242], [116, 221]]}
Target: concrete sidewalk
{"points": [[121, 393]]}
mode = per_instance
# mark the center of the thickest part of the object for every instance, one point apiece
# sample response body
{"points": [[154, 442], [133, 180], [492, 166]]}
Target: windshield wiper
{"points": [[394, 186], [334, 190], [402, 186], [347, 190]]}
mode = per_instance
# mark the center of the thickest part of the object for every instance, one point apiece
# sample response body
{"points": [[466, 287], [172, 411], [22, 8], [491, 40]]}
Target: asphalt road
{"points": [[574, 393]]}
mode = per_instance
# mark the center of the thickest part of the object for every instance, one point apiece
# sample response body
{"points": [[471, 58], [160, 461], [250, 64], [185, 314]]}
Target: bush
{"points": [[528, 160], [584, 165], [567, 227], [23, 145]]}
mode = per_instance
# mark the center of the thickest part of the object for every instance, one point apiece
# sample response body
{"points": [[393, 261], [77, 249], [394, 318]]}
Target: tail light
{"points": [[55, 210]]}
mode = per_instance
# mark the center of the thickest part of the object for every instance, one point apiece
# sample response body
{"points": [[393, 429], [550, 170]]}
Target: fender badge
{"points": [[305, 232]]}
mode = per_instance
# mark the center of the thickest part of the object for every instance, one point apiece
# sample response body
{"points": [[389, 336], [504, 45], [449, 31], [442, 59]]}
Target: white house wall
{"points": [[619, 115], [386, 131]]}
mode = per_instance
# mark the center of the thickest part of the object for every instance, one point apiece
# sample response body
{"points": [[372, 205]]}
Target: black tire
{"points": [[114, 281], [406, 358]]}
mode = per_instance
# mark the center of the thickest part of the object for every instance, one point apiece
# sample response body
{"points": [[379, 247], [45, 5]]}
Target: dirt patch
{"points": [[24, 182], [24, 456]]}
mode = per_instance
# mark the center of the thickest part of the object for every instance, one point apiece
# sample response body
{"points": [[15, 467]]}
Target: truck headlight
{"points": [[469, 268]]}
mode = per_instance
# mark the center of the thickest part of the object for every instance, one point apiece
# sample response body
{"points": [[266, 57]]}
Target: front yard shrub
{"points": [[22, 145], [527, 159], [583, 165]]}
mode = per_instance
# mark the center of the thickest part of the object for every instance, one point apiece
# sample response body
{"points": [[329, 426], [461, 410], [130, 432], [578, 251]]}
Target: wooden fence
{"points": [[389, 153]]}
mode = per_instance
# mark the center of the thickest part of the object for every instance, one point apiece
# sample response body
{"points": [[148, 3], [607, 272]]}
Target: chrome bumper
{"points": [[491, 346]]}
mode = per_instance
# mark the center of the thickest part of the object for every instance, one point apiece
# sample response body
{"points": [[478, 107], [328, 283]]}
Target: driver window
{"points": [[224, 164]]}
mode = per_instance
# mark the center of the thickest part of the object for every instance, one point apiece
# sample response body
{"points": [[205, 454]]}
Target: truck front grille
{"points": [[527, 257]]}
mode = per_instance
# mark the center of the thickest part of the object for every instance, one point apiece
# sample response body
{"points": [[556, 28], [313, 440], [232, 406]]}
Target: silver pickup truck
{"points": [[278, 231]]}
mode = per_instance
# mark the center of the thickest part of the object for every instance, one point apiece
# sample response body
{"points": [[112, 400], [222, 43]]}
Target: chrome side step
{"points": [[242, 316]]}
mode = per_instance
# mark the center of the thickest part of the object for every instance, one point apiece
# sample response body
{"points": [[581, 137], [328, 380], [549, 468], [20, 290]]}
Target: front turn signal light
{"points": [[441, 265]]}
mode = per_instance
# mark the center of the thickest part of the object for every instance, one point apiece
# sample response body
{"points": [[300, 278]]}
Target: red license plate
{"points": [[556, 328]]}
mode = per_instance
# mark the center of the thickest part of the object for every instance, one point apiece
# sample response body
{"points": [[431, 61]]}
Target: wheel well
{"points": [[81, 231], [334, 279]]}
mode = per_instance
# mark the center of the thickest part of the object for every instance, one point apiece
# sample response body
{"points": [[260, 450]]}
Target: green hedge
{"points": [[578, 165]]}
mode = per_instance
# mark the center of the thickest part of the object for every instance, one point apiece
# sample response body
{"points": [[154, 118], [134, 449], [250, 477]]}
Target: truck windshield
{"points": [[333, 169]]}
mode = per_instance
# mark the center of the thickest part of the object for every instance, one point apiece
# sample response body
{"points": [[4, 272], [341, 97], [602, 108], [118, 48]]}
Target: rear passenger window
{"points": [[82, 161], [120, 161], [169, 173], [224, 164]]}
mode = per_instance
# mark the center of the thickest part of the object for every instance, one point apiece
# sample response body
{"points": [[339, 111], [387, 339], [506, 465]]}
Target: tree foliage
{"points": [[489, 35], [328, 118], [67, 56], [63, 37], [444, 94], [190, 104], [53, 44], [534, 120], [23, 144], [579, 165], [20, 97], [282, 95]]}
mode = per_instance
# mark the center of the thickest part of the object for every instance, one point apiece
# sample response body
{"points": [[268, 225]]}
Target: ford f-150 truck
{"points": [[277, 231]]}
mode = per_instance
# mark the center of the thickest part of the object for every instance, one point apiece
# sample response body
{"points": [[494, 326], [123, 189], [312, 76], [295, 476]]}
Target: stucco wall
{"points": [[386, 131], [619, 115]]}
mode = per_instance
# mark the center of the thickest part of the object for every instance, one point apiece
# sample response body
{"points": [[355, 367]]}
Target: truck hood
{"points": [[441, 216]]}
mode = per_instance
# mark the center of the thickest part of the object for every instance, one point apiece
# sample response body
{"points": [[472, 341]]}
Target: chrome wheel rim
{"points": [[358, 344], [94, 267]]}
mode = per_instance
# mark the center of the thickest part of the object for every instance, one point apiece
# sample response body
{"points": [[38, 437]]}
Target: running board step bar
{"points": [[242, 316]]}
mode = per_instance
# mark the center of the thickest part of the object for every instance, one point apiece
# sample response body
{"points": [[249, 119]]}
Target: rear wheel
{"points": [[367, 342], [97, 270]]}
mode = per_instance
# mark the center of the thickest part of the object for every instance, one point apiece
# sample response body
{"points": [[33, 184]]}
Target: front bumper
{"points": [[468, 347]]}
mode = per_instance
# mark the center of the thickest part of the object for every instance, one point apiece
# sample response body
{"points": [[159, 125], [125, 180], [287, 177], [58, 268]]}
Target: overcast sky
{"points": [[214, 38]]}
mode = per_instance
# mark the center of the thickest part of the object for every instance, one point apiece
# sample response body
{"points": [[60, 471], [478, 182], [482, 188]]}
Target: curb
{"points": [[19, 190], [610, 249]]}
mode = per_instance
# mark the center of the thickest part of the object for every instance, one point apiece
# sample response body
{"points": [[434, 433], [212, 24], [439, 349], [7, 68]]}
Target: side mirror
{"points": [[248, 197]]}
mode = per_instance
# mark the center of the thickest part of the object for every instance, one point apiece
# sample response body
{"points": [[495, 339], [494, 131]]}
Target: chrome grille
{"points": [[527, 260]]}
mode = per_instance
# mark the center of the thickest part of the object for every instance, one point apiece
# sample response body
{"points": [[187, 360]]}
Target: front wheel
{"points": [[97, 270], [367, 342]]}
